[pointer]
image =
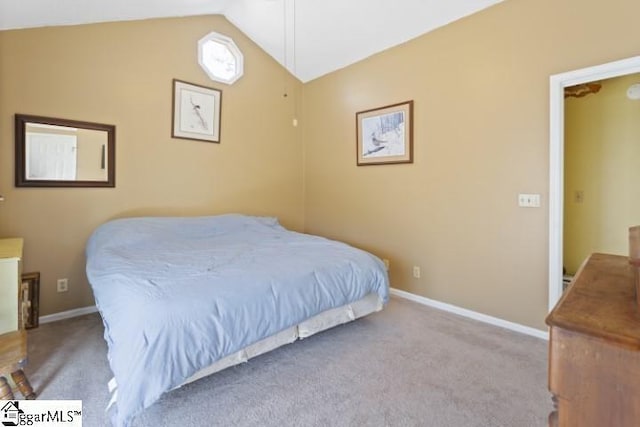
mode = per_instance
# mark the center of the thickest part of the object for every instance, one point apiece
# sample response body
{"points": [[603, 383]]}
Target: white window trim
{"points": [[233, 48]]}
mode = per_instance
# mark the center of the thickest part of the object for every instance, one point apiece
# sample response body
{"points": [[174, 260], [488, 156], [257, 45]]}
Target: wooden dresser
{"points": [[594, 347]]}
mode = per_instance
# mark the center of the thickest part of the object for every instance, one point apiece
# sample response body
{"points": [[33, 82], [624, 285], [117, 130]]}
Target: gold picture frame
{"points": [[30, 295], [385, 135]]}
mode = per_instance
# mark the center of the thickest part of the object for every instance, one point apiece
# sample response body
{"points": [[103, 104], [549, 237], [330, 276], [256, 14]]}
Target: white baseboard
{"points": [[472, 314], [67, 314], [396, 292]]}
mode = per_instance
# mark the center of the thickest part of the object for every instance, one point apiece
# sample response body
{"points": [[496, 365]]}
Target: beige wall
{"points": [[481, 126], [480, 87], [121, 74], [602, 154]]}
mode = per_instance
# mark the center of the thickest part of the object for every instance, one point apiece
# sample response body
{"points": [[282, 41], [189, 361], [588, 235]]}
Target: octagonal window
{"points": [[220, 58]]}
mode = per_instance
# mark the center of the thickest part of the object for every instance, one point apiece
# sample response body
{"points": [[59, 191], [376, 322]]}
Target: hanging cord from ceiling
{"points": [[290, 67], [295, 66], [285, 48]]}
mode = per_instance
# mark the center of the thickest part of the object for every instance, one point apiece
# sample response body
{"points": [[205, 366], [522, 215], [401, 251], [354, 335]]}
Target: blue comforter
{"points": [[178, 294]]}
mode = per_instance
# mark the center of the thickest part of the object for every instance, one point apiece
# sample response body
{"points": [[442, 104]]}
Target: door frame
{"points": [[557, 83]]}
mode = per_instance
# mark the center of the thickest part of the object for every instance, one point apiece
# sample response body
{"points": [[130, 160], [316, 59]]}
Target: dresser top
{"points": [[11, 248], [601, 302]]}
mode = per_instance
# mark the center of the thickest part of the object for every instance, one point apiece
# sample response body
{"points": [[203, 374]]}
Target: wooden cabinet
{"points": [[10, 272], [594, 347]]}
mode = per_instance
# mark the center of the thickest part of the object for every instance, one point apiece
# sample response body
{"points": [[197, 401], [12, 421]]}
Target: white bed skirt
{"points": [[325, 320]]}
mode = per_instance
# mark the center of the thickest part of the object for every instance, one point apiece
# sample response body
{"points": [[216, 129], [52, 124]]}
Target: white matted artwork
{"points": [[385, 135], [196, 112]]}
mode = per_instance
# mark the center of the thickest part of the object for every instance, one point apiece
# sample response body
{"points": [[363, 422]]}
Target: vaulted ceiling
{"points": [[310, 37]]}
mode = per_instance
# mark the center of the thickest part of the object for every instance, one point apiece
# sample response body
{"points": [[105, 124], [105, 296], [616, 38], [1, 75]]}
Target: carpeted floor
{"points": [[408, 365]]}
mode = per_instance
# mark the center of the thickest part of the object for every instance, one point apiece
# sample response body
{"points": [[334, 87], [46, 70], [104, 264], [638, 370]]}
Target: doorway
{"points": [[558, 83]]}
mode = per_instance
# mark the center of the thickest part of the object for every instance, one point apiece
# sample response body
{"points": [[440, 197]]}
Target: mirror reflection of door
{"points": [[51, 156], [601, 171], [64, 153]]}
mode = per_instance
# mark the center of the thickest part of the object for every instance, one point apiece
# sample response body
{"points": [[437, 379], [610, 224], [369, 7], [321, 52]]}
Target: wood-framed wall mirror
{"points": [[54, 152]]}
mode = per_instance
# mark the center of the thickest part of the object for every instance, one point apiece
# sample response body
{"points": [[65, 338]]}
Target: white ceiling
{"points": [[329, 34]]}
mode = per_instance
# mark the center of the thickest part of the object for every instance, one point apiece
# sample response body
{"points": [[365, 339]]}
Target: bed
{"points": [[181, 298]]}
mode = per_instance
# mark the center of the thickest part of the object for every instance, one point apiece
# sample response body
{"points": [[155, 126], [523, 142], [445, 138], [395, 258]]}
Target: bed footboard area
{"points": [[321, 322]]}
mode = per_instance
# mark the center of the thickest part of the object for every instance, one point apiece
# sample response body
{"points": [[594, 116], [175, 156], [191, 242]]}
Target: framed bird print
{"points": [[196, 112]]}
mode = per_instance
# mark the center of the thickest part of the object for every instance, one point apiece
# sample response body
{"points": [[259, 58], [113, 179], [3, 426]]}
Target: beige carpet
{"points": [[408, 365]]}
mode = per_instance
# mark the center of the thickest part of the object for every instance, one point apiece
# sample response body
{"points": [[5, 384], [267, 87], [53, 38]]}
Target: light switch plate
{"points": [[529, 200]]}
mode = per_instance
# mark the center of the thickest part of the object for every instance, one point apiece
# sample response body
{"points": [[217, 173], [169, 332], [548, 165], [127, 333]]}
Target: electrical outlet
{"points": [[63, 285], [386, 263], [416, 272]]}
